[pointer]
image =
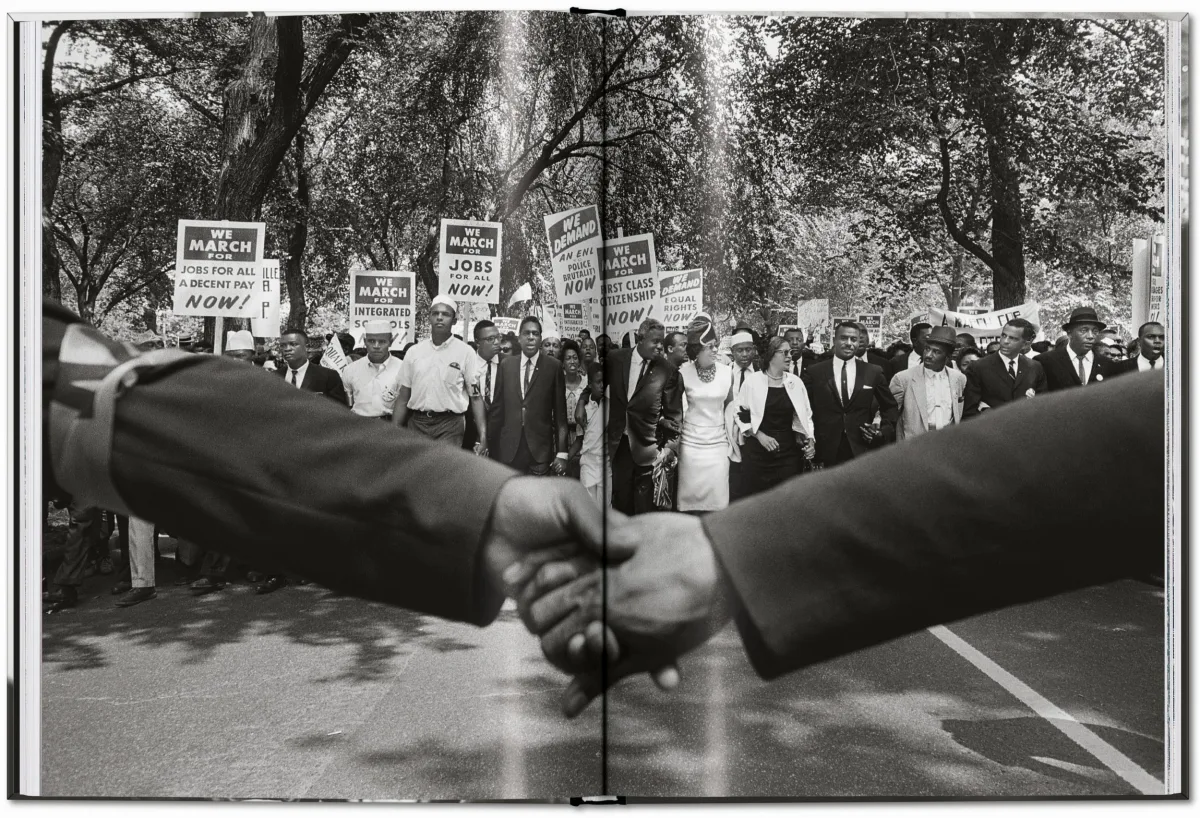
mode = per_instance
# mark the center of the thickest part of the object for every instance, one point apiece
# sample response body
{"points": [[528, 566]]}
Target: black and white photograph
{"points": [[537, 405]]}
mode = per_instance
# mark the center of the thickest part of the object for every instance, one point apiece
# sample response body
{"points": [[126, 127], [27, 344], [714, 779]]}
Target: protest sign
{"points": [[575, 242], [873, 321], [469, 261], [782, 329], [680, 294], [812, 316], [217, 268], [378, 294], [334, 356], [630, 283], [836, 321], [1157, 302], [986, 325], [573, 318], [506, 325], [265, 323]]}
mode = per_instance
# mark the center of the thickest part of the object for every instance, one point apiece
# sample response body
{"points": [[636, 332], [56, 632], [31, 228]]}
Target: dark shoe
{"points": [[271, 585], [121, 587], [255, 576], [65, 597], [187, 578], [206, 585], [135, 596]]}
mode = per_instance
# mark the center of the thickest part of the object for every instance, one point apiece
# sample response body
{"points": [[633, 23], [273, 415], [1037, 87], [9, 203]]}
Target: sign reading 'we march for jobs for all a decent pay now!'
{"points": [[218, 269], [469, 261]]}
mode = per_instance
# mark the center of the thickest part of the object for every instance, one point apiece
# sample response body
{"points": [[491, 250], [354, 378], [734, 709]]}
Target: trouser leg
{"points": [[141, 553]]}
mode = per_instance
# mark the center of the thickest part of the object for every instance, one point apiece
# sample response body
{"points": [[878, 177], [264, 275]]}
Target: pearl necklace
{"points": [[707, 375]]}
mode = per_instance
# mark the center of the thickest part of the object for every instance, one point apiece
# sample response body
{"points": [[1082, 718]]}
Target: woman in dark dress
{"points": [[775, 422]]}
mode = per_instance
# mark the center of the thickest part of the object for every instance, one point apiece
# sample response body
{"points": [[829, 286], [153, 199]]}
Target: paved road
{"points": [[305, 694]]}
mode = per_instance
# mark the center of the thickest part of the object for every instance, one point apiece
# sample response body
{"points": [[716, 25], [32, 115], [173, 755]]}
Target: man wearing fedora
{"points": [[1005, 375], [930, 394], [1076, 364]]}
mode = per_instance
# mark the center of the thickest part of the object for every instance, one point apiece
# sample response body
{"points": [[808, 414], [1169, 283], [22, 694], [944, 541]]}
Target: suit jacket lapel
{"points": [[537, 368], [833, 384], [860, 380], [917, 384]]}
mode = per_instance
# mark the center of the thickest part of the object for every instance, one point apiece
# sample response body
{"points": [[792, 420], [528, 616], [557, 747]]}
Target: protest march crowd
{"points": [[661, 420]]}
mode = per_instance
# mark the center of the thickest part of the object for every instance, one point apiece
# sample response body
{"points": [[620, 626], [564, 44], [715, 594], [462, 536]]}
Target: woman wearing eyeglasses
{"points": [[704, 447], [774, 421]]}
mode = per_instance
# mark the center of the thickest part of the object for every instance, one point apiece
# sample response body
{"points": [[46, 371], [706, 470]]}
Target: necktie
{"points": [[293, 377], [487, 385], [1012, 371], [741, 378], [645, 364], [528, 375], [1082, 376], [845, 388], [795, 368]]}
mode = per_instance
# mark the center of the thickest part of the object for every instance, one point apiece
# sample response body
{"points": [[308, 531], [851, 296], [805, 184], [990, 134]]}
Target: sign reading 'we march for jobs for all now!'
{"points": [[575, 243], [218, 269], [378, 294], [630, 283], [469, 261]]}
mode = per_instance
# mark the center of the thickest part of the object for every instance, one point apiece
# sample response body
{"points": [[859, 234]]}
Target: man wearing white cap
{"points": [[741, 345], [439, 382], [239, 343], [373, 382]]}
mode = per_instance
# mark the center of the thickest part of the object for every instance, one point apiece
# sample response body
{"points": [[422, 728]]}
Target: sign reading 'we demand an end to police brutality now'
{"points": [[575, 242], [469, 261], [630, 283], [218, 269], [383, 295]]}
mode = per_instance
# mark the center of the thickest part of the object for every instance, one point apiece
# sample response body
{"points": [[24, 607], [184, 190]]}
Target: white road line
{"points": [[1108, 755]]}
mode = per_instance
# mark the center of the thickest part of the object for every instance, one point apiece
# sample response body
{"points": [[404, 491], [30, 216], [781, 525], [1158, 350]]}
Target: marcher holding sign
{"points": [[217, 269], [630, 283], [680, 295], [575, 241], [378, 294], [469, 261]]}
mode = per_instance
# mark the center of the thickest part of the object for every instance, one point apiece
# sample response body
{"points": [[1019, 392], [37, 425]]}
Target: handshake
{"points": [[607, 595]]}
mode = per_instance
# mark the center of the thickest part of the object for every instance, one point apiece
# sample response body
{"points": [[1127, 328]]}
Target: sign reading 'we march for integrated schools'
{"points": [[380, 294], [469, 261], [218, 269], [575, 242], [630, 283]]}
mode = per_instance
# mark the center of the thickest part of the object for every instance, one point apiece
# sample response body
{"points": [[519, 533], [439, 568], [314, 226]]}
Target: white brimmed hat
{"points": [[741, 338], [377, 327], [239, 339], [444, 300]]}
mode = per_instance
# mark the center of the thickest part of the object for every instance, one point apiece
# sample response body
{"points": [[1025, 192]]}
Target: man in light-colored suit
{"points": [[930, 394]]}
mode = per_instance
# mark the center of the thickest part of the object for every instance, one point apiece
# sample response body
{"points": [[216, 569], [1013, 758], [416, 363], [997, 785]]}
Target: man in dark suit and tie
{"points": [[487, 347], [1076, 364], [645, 404], [845, 393], [529, 412], [1152, 342], [302, 374], [917, 334], [1005, 375]]}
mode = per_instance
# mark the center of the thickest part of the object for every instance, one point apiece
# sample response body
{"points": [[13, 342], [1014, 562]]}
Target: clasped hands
{"points": [[604, 604]]}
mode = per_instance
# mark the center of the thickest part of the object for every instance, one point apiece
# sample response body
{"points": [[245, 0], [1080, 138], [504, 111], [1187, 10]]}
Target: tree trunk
{"points": [[297, 241], [52, 159], [1008, 248]]}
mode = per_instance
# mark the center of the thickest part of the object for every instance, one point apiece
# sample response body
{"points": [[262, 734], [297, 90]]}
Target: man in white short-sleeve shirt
{"points": [[439, 382], [373, 382]]}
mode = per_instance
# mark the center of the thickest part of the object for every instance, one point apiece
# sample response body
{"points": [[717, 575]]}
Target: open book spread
{"points": [[591, 408]]}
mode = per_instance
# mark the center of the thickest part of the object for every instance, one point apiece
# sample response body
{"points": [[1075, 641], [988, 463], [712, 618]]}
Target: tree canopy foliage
{"points": [[881, 163]]}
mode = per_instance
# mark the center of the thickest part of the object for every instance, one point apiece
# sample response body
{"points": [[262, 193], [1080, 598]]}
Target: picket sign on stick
{"points": [[217, 268], [630, 283], [469, 261], [575, 241]]}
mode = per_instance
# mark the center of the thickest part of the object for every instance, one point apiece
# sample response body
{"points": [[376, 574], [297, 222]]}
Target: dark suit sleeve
{"points": [[853, 556], [561, 422], [336, 390], [362, 507], [1040, 383], [495, 413], [672, 407], [973, 393], [889, 410]]}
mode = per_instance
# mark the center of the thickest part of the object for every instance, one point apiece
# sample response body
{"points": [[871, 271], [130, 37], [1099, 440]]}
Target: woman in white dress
{"points": [[703, 450]]}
